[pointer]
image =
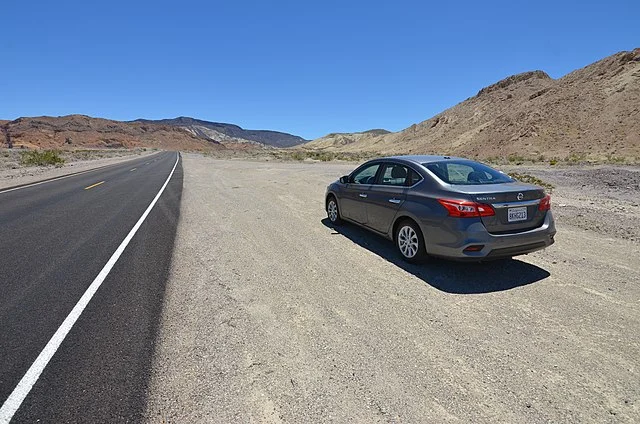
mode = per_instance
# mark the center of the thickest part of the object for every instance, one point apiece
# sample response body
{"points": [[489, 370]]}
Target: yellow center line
{"points": [[93, 185], [133, 169]]}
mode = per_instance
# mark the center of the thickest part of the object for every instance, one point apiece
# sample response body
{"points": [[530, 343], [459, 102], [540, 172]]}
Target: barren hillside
{"points": [[83, 131], [593, 112], [230, 133], [339, 140], [181, 133]]}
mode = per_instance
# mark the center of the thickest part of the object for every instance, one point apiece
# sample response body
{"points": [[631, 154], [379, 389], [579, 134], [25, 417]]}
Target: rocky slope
{"points": [[75, 131], [591, 113], [183, 133], [343, 139], [229, 133]]}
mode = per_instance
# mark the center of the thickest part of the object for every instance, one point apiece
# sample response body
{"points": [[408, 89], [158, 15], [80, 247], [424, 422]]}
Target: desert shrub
{"points": [[41, 158], [530, 179], [615, 159], [494, 160], [298, 156], [516, 158], [576, 158], [324, 156]]}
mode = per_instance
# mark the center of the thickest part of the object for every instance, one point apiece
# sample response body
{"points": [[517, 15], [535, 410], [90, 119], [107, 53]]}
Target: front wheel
{"points": [[333, 213], [410, 242]]}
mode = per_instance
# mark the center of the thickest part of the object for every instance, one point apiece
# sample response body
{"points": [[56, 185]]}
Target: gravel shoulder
{"points": [[270, 315]]}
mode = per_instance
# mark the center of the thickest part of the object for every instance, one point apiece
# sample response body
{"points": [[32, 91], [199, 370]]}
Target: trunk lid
{"points": [[515, 205]]}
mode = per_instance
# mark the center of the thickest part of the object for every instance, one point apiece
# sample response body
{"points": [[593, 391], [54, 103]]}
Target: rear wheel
{"points": [[410, 242], [333, 213]]}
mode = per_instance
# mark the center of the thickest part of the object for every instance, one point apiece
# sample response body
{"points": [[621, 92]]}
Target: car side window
{"points": [[366, 175], [413, 178], [395, 175]]}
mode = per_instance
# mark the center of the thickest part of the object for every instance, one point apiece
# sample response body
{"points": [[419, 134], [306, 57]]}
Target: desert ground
{"points": [[272, 315]]}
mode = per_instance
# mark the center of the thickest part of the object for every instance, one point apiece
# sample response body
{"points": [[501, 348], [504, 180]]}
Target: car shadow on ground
{"points": [[448, 276]]}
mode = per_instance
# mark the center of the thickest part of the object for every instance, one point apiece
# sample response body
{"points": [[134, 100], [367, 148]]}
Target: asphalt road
{"points": [[55, 238]]}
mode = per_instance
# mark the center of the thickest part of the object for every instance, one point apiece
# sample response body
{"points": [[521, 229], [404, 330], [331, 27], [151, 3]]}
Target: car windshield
{"points": [[466, 172]]}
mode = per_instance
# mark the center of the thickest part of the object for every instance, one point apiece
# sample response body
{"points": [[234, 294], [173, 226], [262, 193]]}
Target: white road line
{"points": [[23, 388]]}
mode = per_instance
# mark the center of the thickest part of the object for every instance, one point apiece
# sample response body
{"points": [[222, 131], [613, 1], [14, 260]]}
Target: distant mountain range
{"points": [[74, 131], [593, 112], [229, 133]]}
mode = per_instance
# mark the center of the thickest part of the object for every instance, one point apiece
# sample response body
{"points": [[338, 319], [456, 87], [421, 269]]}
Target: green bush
{"points": [[41, 158]]}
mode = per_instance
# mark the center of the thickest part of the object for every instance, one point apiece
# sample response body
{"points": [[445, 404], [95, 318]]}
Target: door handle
{"points": [[396, 201], [363, 195]]}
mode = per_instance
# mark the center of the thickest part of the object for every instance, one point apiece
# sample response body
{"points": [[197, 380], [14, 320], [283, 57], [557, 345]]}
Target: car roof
{"points": [[420, 159]]}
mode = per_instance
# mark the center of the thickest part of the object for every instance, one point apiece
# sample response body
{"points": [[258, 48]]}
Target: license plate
{"points": [[517, 214]]}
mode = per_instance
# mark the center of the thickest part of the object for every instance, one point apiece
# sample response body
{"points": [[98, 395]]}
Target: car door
{"points": [[387, 196], [355, 194]]}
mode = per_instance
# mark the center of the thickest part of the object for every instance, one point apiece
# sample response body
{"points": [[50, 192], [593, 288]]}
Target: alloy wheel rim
{"points": [[408, 241], [333, 211]]}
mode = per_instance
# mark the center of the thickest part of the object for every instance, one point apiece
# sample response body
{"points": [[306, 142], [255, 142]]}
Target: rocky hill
{"points": [[183, 133], [339, 140], [593, 112], [74, 131], [230, 133]]}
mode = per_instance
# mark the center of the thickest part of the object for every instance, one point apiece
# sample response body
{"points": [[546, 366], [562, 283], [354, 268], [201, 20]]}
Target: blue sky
{"points": [[304, 67]]}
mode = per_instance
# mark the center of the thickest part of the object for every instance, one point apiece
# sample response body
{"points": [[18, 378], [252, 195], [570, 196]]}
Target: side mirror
{"points": [[345, 179]]}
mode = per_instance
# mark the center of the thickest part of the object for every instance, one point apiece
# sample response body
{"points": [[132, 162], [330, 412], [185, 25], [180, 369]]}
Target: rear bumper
{"points": [[451, 240]]}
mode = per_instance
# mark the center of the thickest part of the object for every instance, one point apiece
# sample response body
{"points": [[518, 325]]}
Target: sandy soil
{"points": [[13, 173], [272, 316], [604, 199]]}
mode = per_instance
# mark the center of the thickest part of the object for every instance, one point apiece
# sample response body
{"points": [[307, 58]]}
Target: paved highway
{"points": [[60, 242]]}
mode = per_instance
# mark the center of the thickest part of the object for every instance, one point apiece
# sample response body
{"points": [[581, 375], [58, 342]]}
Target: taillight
{"points": [[545, 203], [466, 209]]}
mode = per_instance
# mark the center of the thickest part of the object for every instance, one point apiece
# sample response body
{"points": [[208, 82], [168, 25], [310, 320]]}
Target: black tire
{"points": [[333, 214], [410, 242]]}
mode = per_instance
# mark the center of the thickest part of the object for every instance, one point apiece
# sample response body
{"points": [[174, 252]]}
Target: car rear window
{"points": [[466, 172]]}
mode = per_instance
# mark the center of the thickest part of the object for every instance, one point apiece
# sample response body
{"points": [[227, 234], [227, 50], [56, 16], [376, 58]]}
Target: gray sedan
{"points": [[444, 206]]}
